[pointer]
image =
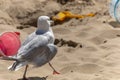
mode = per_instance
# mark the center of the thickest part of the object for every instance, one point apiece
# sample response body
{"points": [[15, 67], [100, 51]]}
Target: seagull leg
{"points": [[24, 75], [54, 71]]}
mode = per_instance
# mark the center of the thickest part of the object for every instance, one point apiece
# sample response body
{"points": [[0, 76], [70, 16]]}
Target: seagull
{"points": [[37, 49]]}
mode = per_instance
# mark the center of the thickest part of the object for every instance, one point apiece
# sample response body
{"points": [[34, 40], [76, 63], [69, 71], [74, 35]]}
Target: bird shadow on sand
{"points": [[35, 78], [115, 24]]}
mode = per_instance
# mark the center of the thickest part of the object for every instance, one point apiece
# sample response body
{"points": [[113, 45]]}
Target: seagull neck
{"points": [[40, 31]]}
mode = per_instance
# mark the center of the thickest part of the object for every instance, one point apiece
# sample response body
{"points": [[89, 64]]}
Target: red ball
{"points": [[9, 43]]}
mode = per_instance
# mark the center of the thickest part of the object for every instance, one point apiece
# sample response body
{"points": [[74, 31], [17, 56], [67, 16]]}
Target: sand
{"points": [[88, 49]]}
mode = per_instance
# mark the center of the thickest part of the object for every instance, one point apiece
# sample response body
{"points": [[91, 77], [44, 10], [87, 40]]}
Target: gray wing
{"points": [[48, 54], [32, 48], [29, 38], [52, 51]]}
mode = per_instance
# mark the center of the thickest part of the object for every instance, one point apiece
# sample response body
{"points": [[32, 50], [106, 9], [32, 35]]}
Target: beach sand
{"points": [[88, 49]]}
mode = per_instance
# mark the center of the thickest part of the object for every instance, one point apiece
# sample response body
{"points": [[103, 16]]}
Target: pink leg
{"points": [[54, 71]]}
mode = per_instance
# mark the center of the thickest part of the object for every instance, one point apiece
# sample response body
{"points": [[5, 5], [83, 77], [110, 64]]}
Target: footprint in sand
{"points": [[98, 40], [110, 34], [61, 31], [86, 33], [63, 58], [109, 46], [90, 48], [115, 24], [104, 36], [69, 50], [83, 34], [89, 59], [100, 78], [88, 68]]}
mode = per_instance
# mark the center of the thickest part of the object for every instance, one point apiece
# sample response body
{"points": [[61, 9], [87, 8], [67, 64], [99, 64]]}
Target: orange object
{"points": [[9, 43], [61, 16]]}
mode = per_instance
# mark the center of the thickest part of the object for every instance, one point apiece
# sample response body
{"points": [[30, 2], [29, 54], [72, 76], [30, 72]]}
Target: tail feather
{"points": [[8, 58], [17, 65]]}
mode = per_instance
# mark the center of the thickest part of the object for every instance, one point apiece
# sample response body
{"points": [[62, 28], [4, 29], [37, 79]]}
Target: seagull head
{"points": [[43, 24]]}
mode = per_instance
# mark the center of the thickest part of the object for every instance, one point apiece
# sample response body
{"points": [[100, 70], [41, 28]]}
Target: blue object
{"points": [[114, 9]]}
